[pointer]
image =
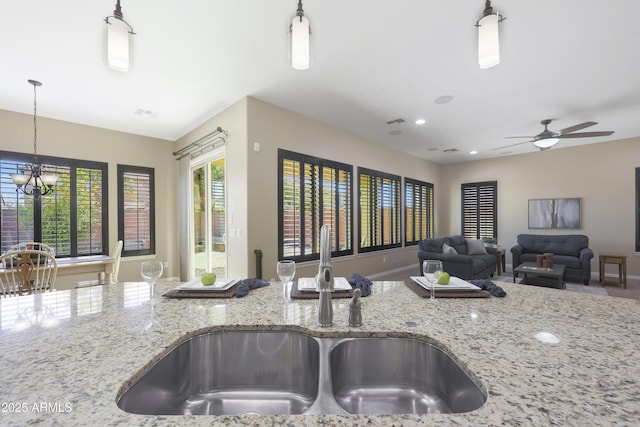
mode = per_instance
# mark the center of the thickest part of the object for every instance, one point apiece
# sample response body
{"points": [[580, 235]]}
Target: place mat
{"points": [[180, 293], [425, 293], [298, 294]]}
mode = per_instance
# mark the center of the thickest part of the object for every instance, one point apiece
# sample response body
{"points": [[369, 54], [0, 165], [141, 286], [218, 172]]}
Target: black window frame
{"points": [[317, 217], [480, 224], [122, 170], [395, 232], [73, 165], [423, 203]]}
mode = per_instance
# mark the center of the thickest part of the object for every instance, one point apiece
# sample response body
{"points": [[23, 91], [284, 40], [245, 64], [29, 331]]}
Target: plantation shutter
{"points": [[136, 225], [313, 192], [379, 210], [479, 210], [418, 211]]}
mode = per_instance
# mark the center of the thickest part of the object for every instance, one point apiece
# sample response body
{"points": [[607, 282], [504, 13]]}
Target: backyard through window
{"points": [[313, 192], [71, 219]]}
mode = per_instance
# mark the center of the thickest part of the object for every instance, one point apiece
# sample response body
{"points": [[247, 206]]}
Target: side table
{"points": [[613, 258], [500, 261]]}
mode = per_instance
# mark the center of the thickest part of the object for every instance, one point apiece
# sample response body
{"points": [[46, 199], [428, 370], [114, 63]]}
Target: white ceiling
{"points": [[373, 61]]}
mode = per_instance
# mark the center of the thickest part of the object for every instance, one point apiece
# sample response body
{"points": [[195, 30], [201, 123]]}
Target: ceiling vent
{"points": [[395, 122], [450, 150]]}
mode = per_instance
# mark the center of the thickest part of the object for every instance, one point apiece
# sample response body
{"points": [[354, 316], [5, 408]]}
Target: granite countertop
{"points": [[84, 345]]}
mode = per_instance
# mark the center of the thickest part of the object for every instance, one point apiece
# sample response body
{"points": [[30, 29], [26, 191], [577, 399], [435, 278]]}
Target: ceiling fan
{"points": [[547, 139]]}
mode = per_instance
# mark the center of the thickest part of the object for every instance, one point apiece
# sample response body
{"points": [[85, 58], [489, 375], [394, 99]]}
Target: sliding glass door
{"points": [[208, 218]]}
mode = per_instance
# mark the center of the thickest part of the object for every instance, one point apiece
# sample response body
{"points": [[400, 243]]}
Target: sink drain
{"points": [[251, 413]]}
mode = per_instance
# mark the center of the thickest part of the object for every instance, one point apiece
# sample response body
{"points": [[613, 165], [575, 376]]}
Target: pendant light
{"points": [[489, 37], [35, 183], [118, 31], [300, 33]]}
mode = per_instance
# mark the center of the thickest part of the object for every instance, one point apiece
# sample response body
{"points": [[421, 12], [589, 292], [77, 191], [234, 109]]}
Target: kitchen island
{"points": [[544, 356]]}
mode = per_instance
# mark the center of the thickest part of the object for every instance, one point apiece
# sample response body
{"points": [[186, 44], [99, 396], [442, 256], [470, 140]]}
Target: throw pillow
{"points": [[446, 249], [475, 247]]}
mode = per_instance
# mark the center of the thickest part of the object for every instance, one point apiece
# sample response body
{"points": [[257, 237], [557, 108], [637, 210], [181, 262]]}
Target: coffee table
{"points": [[532, 269]]}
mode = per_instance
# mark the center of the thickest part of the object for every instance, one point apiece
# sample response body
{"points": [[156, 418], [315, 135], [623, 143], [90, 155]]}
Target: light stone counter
{"points": [[70, 373]]}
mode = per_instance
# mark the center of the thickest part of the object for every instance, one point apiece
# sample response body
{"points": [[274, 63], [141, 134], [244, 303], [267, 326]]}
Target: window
{"points": [[313, 192], [136, 210], [379, 210], [72, 219], [480, 210], [418, 211]]}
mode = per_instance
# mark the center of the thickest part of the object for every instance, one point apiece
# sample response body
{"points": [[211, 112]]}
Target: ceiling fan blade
{"points": [[576, 127], [586, 134], [512, 145]]}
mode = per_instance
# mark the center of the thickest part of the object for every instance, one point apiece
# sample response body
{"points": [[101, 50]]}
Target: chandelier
{"points": [[34, 182]]}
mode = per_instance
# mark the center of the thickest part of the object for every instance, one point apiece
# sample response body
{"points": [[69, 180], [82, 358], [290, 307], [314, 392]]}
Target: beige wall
{"points": [[64, 139], [602, 175], [274, 128], [252, 182], [234, 121]]}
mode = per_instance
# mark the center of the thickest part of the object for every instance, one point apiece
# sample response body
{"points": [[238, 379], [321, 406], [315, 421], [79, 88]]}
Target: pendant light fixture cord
{"points": [[35, 84]]}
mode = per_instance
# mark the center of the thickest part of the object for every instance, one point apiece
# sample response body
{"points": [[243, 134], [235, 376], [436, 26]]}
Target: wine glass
{"points": [[151, 271], [286, 271], [432, 270]]}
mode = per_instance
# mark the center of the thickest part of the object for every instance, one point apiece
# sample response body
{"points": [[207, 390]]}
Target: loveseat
{"points": [[466, 259], [571, 250]]}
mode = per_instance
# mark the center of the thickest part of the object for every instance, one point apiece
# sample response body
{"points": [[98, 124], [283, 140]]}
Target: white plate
{"points": [[219, 286], [308, 284], [455, 284]]}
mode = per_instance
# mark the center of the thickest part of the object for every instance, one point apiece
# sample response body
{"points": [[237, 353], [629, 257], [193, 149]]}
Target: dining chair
{"points": [[116, 255], [27, 272], [32, 246]]}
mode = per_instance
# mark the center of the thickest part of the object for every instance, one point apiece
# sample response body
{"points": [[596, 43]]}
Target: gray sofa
{"points": [[467, 263], [571, 250]]}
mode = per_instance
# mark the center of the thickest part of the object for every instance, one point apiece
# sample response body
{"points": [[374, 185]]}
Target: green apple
{"points": [[444, 278], [208, 279]]}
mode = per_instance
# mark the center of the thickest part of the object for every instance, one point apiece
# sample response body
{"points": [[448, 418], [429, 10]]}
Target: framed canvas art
{"points": [[554, 213]]}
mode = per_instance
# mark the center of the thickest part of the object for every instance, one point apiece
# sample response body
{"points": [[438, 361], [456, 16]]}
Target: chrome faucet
{"points": [[325, 279]]}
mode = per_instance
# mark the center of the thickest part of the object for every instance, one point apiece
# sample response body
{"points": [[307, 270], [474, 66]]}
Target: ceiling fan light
{"points": [[488, 41], [118, 45], [546, 142]]}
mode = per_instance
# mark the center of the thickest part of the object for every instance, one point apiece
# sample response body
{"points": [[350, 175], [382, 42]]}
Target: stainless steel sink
{"points": [[400, 376], [289, 372], [230, 373]]}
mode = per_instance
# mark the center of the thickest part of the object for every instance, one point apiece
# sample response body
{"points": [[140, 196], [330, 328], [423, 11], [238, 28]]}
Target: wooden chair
{"points": [[32, 246], [26, 272], [116, 254]]}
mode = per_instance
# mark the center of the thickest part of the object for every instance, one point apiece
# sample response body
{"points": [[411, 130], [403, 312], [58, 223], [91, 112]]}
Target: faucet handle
{"points": [[355, 310]]}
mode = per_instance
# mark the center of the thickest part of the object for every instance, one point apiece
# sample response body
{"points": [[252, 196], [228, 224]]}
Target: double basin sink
{"points": [[290, 372]]}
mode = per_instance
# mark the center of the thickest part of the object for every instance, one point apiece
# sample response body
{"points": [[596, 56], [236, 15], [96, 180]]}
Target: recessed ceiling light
{"points": [[472, 152], [444, 99], [421, 121]]}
